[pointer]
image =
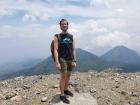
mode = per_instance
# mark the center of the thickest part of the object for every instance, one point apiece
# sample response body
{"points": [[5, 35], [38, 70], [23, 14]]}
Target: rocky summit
{"points": [[89, 88]]}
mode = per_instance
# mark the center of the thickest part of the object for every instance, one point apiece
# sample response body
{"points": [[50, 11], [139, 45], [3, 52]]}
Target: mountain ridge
{"points": [[122, 54], [86, 61]]}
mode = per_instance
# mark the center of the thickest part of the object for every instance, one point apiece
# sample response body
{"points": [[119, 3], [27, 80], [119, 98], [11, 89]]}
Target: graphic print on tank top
{"points": [[66, 46]]}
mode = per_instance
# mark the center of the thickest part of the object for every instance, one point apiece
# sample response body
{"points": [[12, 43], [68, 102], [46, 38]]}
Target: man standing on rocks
{"points": [[65, 58]]}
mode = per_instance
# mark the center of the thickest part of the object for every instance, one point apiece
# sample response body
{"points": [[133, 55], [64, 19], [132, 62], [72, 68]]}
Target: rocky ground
{"points": [[107, 88]]}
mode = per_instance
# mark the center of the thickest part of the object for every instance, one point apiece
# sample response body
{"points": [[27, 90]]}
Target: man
{"points": [[65, 58]]}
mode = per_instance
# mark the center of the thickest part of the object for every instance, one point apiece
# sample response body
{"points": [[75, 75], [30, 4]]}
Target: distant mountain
{"points": [[119, 57], [85, 61], [88, 61], [123, 57], [18, 65], [122, 54]]}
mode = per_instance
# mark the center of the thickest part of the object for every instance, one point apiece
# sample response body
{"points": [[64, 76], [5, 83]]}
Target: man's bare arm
{"points": [[74, 50], [56, 50], [58, 66]]}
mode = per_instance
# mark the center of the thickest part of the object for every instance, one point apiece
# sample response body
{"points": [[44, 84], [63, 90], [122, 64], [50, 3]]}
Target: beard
{"points": [[64, 29]]}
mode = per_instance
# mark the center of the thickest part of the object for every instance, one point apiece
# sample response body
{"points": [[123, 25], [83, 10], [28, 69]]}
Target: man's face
{"points": [[64, 25]]}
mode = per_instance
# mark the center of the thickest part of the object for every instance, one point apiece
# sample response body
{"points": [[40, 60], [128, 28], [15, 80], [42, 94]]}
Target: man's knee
{"points": [[68, 75], [63, 76]]}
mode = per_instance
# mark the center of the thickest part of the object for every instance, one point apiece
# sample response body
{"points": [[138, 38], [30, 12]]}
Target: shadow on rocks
{"points": [[55, 99]]}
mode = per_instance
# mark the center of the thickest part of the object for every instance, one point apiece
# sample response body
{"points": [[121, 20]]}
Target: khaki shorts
{"points": [[66, 65]]}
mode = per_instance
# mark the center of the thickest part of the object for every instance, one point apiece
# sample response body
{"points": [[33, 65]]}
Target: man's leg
{"points": [[62, 82], [66, 91], [68, 75], [62, 87], [63, 74]]}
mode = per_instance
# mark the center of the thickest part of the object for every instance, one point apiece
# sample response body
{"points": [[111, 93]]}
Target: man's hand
{"points": [[74, 64], [58, 66]]}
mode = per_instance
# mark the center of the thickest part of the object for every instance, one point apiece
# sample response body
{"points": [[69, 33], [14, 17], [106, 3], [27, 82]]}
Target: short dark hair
{"points": [[63, 20]]}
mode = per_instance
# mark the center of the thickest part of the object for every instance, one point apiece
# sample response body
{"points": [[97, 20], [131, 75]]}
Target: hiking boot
{"points": [[64, 99], [67, 92]]}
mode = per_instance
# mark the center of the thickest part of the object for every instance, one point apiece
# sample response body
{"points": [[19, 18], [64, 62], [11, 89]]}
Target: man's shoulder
{"points": [[70, 34], [56, 35]]}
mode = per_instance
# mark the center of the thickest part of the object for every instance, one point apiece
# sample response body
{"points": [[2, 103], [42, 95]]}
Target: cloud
{"points": [[92, 35], [29, 18], [45, 9], [105, 24], [112, 39], [97, 37], [23, 32]]}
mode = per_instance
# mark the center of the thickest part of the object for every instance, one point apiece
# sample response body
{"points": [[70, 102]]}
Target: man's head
{"points": [[64, 25]]}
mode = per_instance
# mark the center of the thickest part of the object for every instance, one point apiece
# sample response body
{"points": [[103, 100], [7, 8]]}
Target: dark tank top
{"points": [[66, 47]]}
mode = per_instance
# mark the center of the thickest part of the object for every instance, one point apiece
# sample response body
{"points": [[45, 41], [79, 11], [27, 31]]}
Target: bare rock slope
{"points": [[106, 88]]}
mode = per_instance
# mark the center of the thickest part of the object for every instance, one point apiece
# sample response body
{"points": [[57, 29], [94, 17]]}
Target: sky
{"points": [[28, 26]]}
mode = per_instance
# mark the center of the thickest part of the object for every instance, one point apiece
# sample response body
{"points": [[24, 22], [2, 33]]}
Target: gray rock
{"points": [[93, 90], [5, 83], [56, 86], [38, 92], [124, 93], [77, 89], [19, 78], [78, 99], [16, 98], [26, 87], [73, 82], [137, 76], [116, 79], [136, 94], [18, 89], [40, 77], [117, 86], [1, 96], [132, 103], [44, 99], [57, 76], [10, 95]]}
